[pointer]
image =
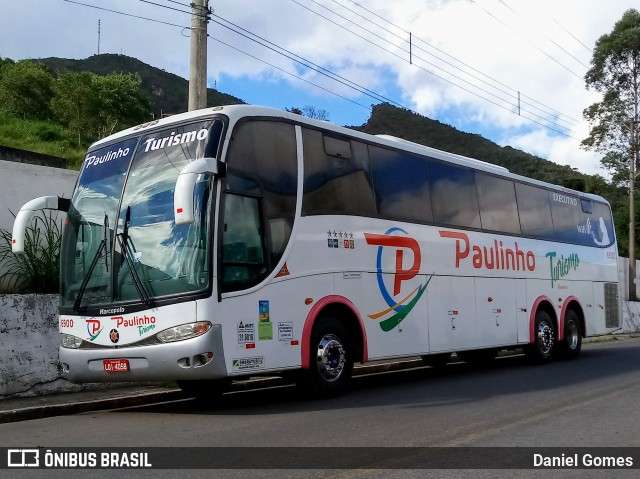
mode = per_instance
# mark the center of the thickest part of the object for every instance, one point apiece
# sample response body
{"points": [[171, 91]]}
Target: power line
{"points": [[125, 14], [305, 62], [571, 34], [445, 79], [550, 111], [226, 44], [307, 66], [526, 39], [164, 6], [549, 39], [178, 3], [289, 73], [174, 9]]}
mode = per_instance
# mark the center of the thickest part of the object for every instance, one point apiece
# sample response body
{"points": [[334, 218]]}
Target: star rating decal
{"points": [[340, 239]]}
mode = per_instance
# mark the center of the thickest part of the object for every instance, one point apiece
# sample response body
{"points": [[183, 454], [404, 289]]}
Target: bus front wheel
{"points": [[331, 359], [542, 349]]}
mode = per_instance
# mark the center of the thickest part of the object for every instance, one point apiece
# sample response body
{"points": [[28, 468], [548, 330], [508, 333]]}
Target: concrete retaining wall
{"points": [[21, 182], [29, 345]]}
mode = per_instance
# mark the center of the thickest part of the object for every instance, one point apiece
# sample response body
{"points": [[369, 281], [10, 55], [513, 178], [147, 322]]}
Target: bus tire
{"points": [[438, 360], [571, 344], [205, 390], [544, 345], [331, 359]]}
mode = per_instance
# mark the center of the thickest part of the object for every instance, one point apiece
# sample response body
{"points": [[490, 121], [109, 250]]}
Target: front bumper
{"points": [[181, 360]]}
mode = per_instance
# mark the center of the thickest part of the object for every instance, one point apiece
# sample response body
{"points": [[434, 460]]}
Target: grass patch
{"points": [[42, 137], [37, 270]]}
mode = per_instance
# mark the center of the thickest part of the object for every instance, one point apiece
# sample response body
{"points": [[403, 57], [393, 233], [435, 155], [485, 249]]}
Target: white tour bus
{"points": [[242, 240]]}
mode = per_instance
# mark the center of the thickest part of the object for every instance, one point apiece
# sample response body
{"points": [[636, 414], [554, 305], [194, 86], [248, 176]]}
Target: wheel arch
{"points": [[342, 309], [543, 303], [572, 304]]}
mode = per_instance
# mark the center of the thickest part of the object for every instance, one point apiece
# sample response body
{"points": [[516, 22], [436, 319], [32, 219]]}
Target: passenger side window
{"points": [[566, 212], [337, 179], [401, 184], [453, 195], [602, 225], [534, 211], [262, 164], [243, 257], [497, 200]]}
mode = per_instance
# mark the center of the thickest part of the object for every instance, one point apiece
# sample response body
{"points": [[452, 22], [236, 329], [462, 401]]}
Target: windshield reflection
{"points": [[168, 259]]}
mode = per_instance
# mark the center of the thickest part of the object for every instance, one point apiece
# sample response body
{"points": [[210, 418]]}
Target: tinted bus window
{"points": [[566, 212], [497, 200], [336, 178], [262, 162], [401, 184], [534, 211], [453, 195], [602, 225]]}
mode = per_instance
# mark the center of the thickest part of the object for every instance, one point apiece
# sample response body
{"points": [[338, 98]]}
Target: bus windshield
{"points": [[120, 242]]}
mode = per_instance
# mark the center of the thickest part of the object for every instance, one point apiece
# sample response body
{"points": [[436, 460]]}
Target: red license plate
{"points": [[116, 365]]}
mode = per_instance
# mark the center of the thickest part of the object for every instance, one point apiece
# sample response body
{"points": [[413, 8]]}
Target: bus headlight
{"points": [[69, 341], [184, 331]]}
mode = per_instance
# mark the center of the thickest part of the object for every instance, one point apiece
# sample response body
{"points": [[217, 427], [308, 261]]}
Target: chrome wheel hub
{"points": [[545, 337], [330, 357]]}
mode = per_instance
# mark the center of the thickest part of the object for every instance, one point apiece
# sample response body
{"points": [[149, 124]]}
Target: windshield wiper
{"points": [[123, 240], [103, 247]]}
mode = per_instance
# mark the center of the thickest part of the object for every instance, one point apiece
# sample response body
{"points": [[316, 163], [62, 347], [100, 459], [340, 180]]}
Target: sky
{"points": [[509, 70]]}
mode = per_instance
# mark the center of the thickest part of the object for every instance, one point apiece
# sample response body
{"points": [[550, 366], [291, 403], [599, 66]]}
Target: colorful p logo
{"points": [[397, 308]]}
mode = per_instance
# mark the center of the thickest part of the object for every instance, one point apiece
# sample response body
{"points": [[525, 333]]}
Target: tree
{"points": [[121, 103], [615, 73], [26, 89], [97, 106], [75, 104], [310, 112]]}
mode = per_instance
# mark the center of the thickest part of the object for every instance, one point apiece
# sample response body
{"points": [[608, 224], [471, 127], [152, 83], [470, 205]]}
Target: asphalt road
{"points": [[591, 402]]}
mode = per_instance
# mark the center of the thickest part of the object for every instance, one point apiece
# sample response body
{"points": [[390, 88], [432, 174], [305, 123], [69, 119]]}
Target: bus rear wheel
{"points": [[542, 349], [571, 344], [331, 359]]}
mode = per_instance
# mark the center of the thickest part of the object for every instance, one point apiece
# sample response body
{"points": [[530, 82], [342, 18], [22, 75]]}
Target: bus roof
{"points": [[237, 112]]}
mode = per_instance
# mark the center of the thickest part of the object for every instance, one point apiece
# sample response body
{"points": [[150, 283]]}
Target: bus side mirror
{"points": [[186, 183], [26, 213]]}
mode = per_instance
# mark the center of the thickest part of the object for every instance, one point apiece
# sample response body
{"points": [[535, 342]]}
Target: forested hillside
{"points": [[168, 93]]}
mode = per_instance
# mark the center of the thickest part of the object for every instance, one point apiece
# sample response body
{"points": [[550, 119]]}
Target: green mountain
{"points": [[168, 93]]}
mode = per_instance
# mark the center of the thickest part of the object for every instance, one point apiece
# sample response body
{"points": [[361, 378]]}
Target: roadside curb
{"points": [[75, 407]]}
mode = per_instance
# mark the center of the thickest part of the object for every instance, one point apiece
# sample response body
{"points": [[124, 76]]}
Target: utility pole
{"points": [[198, 56], [98, 37], [632, 215]]}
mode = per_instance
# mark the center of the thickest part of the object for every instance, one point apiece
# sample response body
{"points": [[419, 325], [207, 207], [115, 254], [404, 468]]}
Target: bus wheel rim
{"points": [[331, 357], [545, 337]]}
